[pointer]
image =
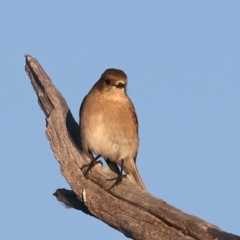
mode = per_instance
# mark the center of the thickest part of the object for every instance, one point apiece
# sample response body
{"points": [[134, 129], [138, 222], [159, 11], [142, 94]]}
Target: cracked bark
{"points": [[128, 209]]}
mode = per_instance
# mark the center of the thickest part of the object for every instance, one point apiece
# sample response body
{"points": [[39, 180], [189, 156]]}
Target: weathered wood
{"points": [[125, 207]]}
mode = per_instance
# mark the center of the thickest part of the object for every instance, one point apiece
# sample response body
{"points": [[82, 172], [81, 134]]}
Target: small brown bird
{"points": [[109, 125]]}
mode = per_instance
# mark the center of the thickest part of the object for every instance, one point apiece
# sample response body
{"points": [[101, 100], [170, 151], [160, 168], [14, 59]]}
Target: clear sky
{"points": [[182, 59]]}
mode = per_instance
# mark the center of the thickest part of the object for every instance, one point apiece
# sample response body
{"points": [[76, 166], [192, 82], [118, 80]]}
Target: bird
{"points": [[108, 125]]}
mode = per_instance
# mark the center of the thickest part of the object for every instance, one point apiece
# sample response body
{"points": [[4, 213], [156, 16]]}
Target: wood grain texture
{"points": [[135, 213]]}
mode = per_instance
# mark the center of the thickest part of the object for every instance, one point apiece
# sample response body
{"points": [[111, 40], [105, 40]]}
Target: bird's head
{"points": [[112, 80]]}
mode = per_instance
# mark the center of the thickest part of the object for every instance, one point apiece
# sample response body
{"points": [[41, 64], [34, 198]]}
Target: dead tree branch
{"points": [[135, 213]]}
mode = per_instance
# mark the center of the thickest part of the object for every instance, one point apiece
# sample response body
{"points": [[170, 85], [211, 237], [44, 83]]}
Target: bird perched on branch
{"points": [[109, 125]]}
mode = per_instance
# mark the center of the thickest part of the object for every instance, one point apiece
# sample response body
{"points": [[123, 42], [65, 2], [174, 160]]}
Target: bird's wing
{"points": [[134, 115], [80, 110], [135, 120]]}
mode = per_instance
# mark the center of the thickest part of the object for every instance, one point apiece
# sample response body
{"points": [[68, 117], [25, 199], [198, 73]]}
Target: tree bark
{"points": [[137, 214]]}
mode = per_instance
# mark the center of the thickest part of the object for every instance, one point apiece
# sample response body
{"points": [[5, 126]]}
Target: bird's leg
{"points": [[119, 177], [91, 164]]}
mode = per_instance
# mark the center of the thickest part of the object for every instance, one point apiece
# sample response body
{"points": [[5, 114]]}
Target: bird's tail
{"points": [[133, 175]]}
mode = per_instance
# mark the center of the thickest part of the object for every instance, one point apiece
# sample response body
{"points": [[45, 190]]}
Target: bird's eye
{"points": [[107, 81]]}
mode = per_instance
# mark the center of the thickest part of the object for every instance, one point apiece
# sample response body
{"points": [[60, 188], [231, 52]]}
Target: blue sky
{"points": [[182, 59]]}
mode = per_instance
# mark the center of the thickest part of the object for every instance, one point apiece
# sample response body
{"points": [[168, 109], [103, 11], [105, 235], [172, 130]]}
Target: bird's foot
{"points": [[91, 165], [117, 180]]}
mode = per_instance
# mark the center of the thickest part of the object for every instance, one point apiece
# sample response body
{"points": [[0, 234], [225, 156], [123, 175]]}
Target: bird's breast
{"points": [[109, 130]]}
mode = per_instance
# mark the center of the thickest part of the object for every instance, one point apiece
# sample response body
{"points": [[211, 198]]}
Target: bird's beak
{"points": [[120, 84]]}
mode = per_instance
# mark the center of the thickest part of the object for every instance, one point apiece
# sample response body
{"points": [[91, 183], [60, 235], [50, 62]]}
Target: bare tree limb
{"points": [[127, 208]]}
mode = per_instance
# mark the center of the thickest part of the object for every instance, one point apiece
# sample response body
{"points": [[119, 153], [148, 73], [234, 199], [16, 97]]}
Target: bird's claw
{"points": [[91, 165]]}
